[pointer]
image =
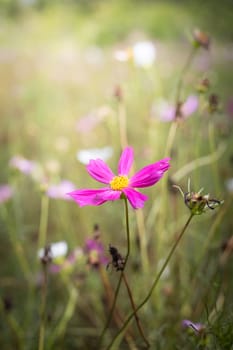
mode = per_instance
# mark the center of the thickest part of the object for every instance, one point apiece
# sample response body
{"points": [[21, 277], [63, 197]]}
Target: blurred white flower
{"points": [[143, 54], [57, 250], [85, 155]]}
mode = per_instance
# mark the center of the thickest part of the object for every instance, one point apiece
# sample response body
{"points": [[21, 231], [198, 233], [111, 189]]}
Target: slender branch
{"points": [[118, 317], [153, 285], [135, 312]]}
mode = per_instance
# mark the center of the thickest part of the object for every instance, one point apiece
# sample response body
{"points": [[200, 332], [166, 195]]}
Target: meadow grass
{"points": [[62, 91]]}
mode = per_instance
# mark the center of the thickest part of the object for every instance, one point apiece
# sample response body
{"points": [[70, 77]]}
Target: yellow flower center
{"points": [[119, 182]]}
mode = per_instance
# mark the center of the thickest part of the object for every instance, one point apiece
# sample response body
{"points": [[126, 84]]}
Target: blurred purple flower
{"points": [[6, 192], [197, 327], [24, 165], [59, 191], [55, 268], [95, 252], [167, 113]]}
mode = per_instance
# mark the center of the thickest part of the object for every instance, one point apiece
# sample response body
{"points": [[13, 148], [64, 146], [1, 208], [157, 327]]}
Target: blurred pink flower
{"points": [[6, 193], [59, 191], [24, 165], [121, 184], [95, 252], [167, 113]]}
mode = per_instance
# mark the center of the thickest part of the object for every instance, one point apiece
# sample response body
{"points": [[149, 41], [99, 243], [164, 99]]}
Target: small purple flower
{"points": [[59, 191], [24, 165], [95, 252], [121, 184], [197, 327], [6, 192], [167, 113]]}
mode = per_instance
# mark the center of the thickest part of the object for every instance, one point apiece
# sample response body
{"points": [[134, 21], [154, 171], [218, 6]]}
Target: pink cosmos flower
{"points": [[121, 184]]}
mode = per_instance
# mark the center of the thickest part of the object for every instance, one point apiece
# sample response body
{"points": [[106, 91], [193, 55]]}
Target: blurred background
{"points": [[79, 81]]}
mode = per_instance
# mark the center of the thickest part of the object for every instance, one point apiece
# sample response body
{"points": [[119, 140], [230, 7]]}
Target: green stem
{"points": [[121, 275], [67, 314], [43, 221], [135, 312], [153, 285], [43, 308]]}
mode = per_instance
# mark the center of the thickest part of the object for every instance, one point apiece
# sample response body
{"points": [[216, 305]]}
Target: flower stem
{"points": [[121, 275], [135, 312], [117, 336], [66, 316], [43, 308], [43, 221]]}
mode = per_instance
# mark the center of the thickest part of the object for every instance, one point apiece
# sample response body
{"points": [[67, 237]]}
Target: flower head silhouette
{"points": [[120, 184]]}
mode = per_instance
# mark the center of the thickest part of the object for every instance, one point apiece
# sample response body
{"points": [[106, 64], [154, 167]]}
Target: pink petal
{"points": [[110, 195], [94, 196], [150, 174], [100, 171], [135, 198], [125, 161]]}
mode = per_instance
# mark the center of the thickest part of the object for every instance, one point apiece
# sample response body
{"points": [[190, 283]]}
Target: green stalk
{"points": [[43, 221], [121, 275], [67, 314], [121, 331], [43, 308]]}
